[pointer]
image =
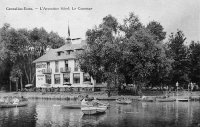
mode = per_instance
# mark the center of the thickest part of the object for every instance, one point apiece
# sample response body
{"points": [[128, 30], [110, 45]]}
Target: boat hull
{"points": [[165, 100], [20, 104], [183, 100], [145, 100], [78, 106], [93, 110], [124, 102]]}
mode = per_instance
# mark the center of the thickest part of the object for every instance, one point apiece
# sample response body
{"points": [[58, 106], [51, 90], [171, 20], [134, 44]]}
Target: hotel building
{"points": [[59, 68]]}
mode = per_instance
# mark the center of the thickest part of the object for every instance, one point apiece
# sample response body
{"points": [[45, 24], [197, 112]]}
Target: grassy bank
{"points": [[98, 95]]}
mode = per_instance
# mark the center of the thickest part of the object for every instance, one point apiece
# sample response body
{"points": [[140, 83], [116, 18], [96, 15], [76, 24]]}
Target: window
{"points": [[76, 65], [48, 79], [66, 78], [66, 63], [76, 77], [68, 52], [48, 65], [86, 77], [57, 78], [56, 66], [79, 51]]}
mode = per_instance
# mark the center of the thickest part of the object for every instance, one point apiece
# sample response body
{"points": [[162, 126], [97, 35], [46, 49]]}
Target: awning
{"points": [[67, 83], [57, 75], [66, 75], [76, 75], [28, 85], [46, 85]]}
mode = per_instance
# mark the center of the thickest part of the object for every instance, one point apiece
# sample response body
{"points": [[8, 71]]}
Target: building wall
{"points": [[40, 76]]}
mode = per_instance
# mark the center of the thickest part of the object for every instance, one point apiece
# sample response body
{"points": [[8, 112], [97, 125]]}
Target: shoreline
{"points": [[195, 96]]}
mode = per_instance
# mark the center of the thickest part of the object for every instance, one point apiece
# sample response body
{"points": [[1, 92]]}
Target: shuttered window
{"points": [[66, 78], [76, 77], [57, 78], [48, 79]]}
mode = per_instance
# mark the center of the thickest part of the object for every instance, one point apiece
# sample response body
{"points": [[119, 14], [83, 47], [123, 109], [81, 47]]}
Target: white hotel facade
{"points": [[59, 68]]}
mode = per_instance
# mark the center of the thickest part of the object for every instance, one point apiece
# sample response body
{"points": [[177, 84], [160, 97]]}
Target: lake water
{"points": [[49, 113]]}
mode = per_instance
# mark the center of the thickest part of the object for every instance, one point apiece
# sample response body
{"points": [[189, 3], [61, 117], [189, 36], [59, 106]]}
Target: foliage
{"points": [[100, 58], [194, 56], [124, 53], [115, 53], [20, 47], [179, 53], [157, 30]]}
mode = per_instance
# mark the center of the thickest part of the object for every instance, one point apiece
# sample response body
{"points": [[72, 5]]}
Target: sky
{"points": [[171, 14]]}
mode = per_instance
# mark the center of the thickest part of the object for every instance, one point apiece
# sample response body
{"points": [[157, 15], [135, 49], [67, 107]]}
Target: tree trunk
{"points": [[21, 83], [33, 77], [26, 74], [10, 86], [16, 85]]}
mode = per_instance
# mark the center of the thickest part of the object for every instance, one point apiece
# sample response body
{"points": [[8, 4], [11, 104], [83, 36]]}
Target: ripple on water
{"points": [[48, 113]]}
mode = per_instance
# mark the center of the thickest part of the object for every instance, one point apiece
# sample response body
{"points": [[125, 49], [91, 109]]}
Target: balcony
{"points": [[87, 82], [47, 71], [65, 69]]}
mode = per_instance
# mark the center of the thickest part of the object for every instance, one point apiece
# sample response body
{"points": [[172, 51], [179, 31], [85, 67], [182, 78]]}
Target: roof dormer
{"points": [[59, 53]]}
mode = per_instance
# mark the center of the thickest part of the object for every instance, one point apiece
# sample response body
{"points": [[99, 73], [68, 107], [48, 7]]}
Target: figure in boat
{"points": [[8, 102], [92, 106]]}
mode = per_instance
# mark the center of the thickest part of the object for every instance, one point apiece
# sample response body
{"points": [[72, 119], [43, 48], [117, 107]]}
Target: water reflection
{"points": [[46, 113], [92, 120], [18, 117]]}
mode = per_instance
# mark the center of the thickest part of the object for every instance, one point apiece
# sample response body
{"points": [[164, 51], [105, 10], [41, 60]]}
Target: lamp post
{"points": [[177, 91], [188, 90]]}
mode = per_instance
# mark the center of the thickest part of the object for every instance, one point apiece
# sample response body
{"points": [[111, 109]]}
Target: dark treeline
{"points": [[133, 53], [18, 49], [130, 53]]}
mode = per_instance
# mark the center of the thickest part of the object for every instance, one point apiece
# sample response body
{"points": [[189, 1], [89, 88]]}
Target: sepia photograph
{"points": [[99, 63]]}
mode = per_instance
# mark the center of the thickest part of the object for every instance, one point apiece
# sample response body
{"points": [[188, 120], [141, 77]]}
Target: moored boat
{"points": [[123, 101], [72, 106], [165, 99], [92, 107], [11, 105], [182, 100], [146, 99], [93, 110]]}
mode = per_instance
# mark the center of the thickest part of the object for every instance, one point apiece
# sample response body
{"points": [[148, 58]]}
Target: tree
{"points": [[20, 47], [123, 53], [194, 57], [15, 75], [5, 64], [101, 57], [144, 55], [179, 53], [156, 30]]}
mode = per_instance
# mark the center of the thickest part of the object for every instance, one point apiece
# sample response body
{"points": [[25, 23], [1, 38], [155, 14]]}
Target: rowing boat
{"points": [[146, 99], [72, 106], [11, 105], [165, 99], [91, 110], [123, 101], [183, 100]]}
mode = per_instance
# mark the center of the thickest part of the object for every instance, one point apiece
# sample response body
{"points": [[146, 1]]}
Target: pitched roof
{"points": [[70, 47], [52, 54]]}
